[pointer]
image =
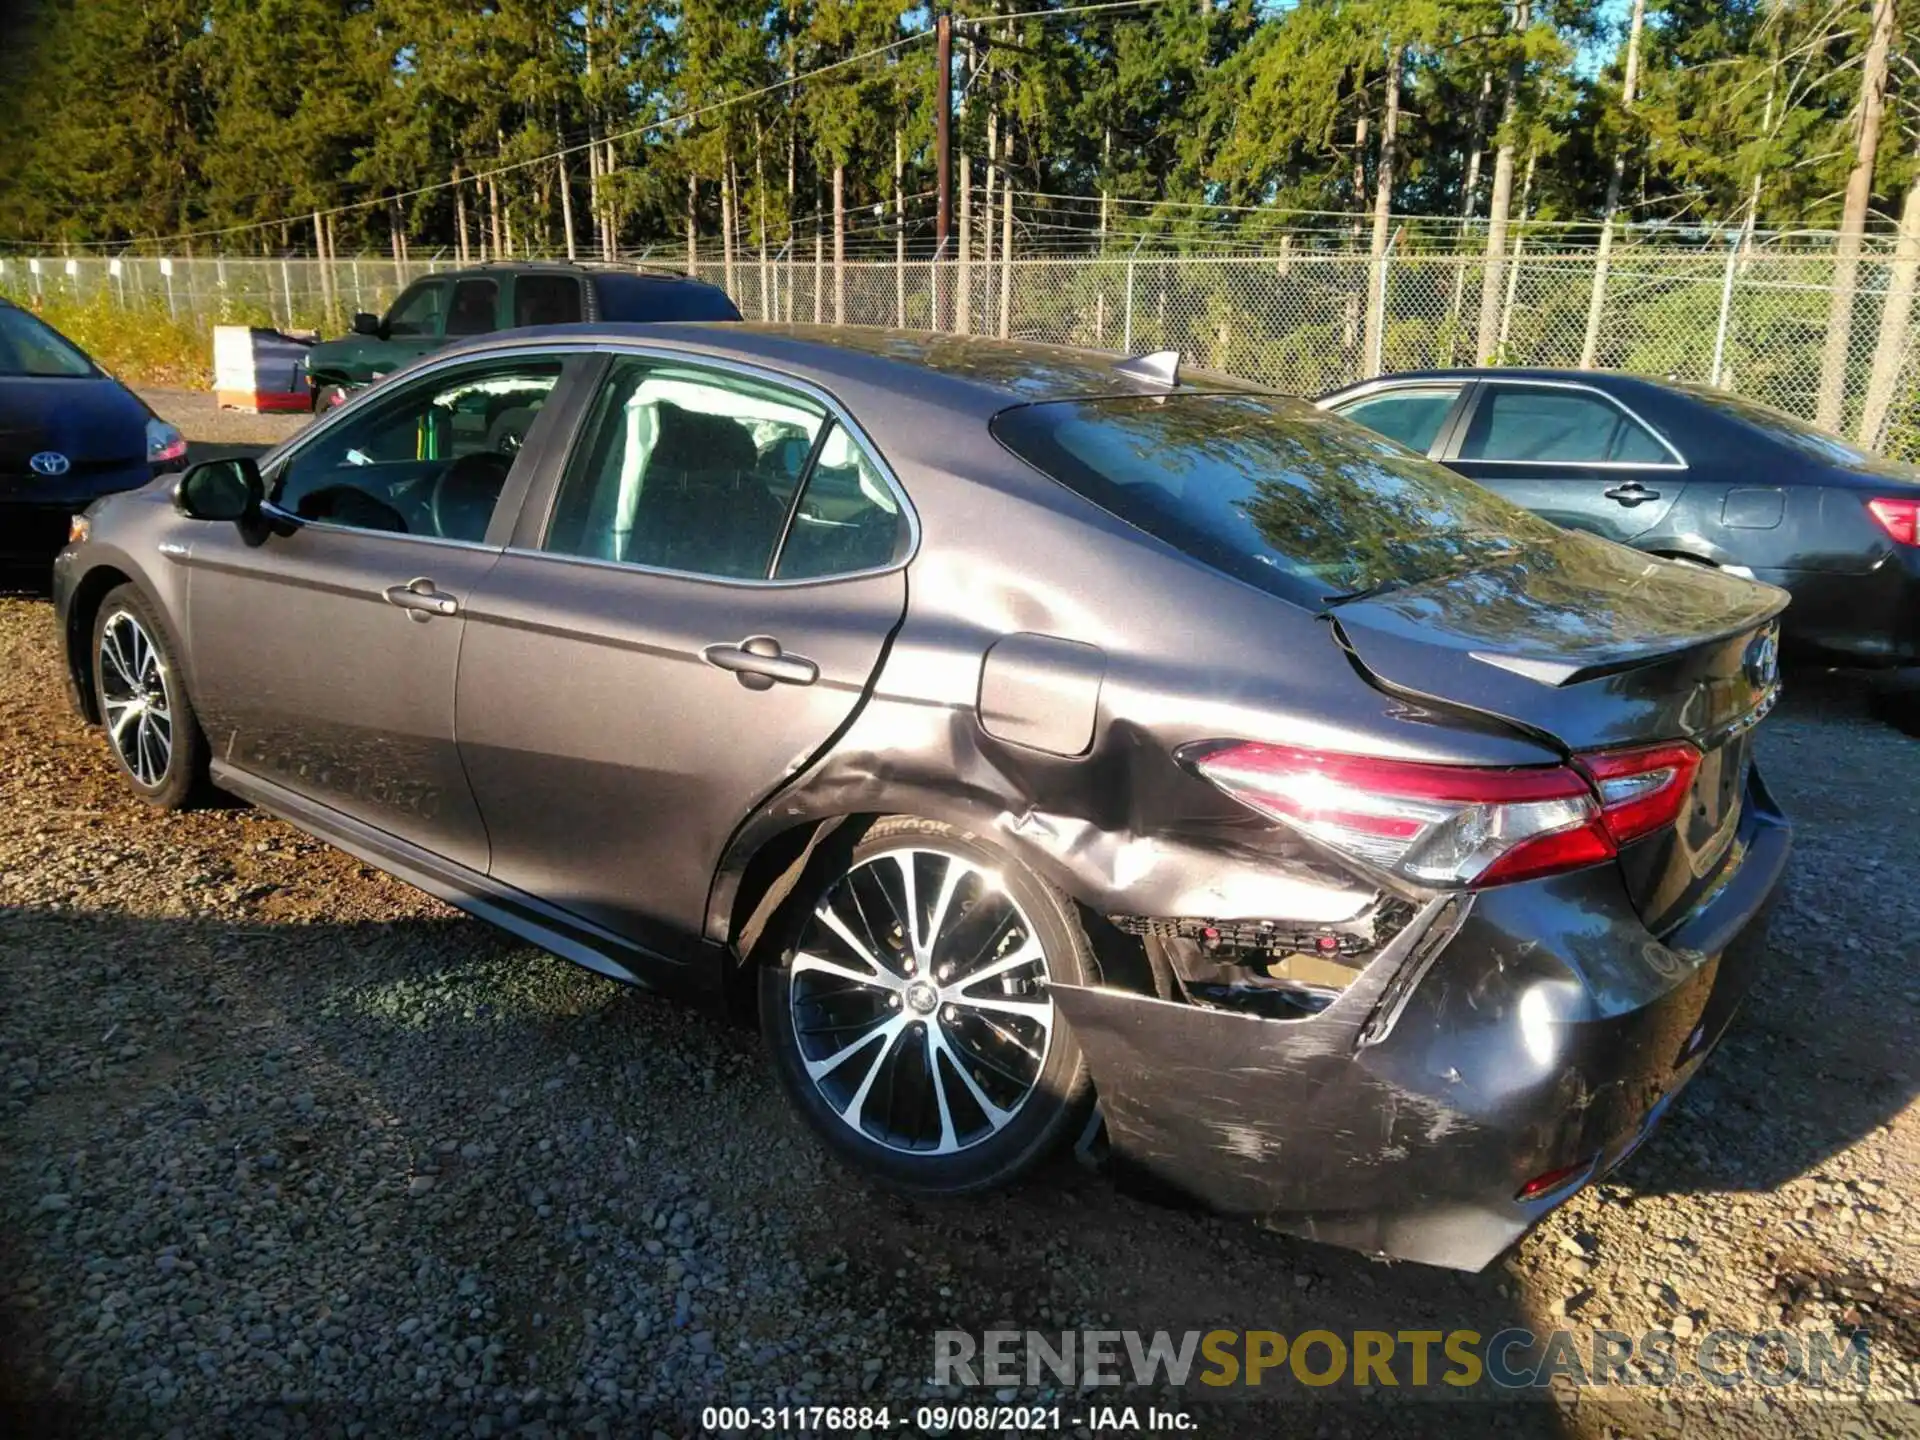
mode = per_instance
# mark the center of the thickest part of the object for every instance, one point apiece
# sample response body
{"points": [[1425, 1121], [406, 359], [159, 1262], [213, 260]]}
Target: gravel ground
{"points": [[213, 432], [285, 1143]]}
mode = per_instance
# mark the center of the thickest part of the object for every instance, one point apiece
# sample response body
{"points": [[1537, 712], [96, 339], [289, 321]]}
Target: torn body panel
{"points": [[1105, 812], [1546, 1029]]}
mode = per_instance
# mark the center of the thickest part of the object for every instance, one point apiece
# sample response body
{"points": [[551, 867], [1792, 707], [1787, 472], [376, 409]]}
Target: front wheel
{"points": [[911, 1020], [151, 729]]}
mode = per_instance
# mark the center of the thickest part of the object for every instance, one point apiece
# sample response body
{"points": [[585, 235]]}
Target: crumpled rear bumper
{"points": [[1500, 1037]]}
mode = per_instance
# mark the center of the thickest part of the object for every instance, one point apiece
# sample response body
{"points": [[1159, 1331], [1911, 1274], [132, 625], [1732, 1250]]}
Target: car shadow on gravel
{"points": [[402, 1105]]}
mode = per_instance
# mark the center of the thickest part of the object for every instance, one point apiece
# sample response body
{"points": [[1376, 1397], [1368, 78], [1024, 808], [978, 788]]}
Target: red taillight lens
{"points": [[1454, 826], [1552, 1180], [1641, 790], [1440, 825], [1899, 518]]}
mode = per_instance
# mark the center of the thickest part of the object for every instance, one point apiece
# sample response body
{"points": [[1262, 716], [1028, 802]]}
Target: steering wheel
{"points": [[465, 493]]}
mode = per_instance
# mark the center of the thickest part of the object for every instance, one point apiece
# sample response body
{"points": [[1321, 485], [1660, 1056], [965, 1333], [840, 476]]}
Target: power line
{"points": [[1063, 10]]}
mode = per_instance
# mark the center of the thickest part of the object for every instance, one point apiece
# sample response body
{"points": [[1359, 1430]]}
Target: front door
{"points": [[694, 614], [414, 324], [325, 640], [1571, 454]]}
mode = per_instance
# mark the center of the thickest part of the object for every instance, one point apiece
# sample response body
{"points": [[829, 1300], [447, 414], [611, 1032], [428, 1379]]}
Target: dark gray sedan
{"points": [[1012, 725], [1690, 472]]}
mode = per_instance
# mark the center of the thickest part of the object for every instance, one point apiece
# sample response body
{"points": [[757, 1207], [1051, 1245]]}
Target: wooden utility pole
{"points": [[693, 224], [460, 215], [1383, 211], [1596, 303], [1853, 220], [943, 128], [1486, 340], [1006, 233], [899, 227]]}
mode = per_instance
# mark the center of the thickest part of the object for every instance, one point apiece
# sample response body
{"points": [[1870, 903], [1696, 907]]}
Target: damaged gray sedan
{"points": [[1013, 727]]}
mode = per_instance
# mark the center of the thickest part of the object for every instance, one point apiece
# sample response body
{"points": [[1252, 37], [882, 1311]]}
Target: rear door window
{"points": [[475, 308], [685, 469], [1413, 417], [1271, 491], [1518, 424], [546, 300]]}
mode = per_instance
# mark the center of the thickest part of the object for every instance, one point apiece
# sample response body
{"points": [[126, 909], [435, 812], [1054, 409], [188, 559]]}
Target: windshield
{"points": [[1298, 502], [27, 347]]}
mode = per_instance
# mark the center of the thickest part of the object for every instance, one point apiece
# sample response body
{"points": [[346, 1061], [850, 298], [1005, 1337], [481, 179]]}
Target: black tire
{"points": [[160, 690], [1895, 699], [1060, 1092]]}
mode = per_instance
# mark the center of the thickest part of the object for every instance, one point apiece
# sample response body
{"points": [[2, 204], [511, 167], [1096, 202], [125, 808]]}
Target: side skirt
{"points": [[535, 920]]}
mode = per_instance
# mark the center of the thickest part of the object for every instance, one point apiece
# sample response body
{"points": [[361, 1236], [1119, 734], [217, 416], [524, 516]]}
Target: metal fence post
{"points": [[1126, 324], [1726, 313]]}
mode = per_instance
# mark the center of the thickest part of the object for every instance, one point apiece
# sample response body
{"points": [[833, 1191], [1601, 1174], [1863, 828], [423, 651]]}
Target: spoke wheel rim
{"points": [[136, 699], [919, 1003]]}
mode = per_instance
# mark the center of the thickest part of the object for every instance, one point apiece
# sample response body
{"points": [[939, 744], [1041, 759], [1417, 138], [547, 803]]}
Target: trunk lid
{"points": [[1591, 645]]}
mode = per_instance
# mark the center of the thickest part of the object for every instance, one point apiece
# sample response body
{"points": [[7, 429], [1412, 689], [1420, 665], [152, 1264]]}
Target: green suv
{"points": [[456, 303]]}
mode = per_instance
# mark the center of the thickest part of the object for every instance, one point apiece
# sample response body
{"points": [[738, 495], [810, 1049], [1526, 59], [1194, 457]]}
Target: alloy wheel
{"points": [[136, 698], [918, 997]]}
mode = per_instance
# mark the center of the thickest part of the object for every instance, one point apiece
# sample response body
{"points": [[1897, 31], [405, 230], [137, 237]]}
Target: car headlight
{"points": [[165, 443]]}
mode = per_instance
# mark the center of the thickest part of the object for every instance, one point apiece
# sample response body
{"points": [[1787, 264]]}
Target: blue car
{"points": [[69, 433]]}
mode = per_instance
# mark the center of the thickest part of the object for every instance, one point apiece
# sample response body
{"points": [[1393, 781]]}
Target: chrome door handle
{"points": [[422, 600], [1631, 493], [760, 663]]}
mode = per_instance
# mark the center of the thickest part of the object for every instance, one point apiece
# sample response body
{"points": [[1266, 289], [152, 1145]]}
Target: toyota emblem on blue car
{"points": [[50, 462]]}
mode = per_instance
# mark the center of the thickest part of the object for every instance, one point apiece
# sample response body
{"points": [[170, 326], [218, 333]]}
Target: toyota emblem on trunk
{"points": [[50, 462]]}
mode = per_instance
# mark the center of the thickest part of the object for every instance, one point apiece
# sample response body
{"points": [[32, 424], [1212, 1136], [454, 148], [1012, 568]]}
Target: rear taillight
{"points": [[1454, 826], [1899, 518], [1641, 790]]}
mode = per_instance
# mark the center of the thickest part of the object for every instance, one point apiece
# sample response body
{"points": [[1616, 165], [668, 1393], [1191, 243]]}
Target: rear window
{"points": [[639, 298], [1788, 430], [1271, 491]]}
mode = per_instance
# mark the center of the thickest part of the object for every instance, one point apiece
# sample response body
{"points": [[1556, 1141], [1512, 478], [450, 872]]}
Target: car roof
{"points": [[586, 269], [969, 371]]}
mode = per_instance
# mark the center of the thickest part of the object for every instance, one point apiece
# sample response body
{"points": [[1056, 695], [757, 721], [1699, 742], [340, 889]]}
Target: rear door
{"points": [[1568, 452], [542, 298], [475, 308], [692, 606]]}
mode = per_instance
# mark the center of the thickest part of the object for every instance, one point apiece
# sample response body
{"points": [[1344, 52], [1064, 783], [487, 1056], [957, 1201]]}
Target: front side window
{"points": [[1413, 417], [1271, 491], [546, 300], [1516, 423], [432, 460], [685, 469], [475, 307], [419, 313]]}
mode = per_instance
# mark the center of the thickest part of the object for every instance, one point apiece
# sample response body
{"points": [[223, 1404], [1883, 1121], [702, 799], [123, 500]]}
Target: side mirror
{"points": [[220, 490], [365, 324]]}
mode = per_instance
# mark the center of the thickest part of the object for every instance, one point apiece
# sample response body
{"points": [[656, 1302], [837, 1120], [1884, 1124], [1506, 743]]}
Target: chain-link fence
{"points": [[1761, 323]]}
